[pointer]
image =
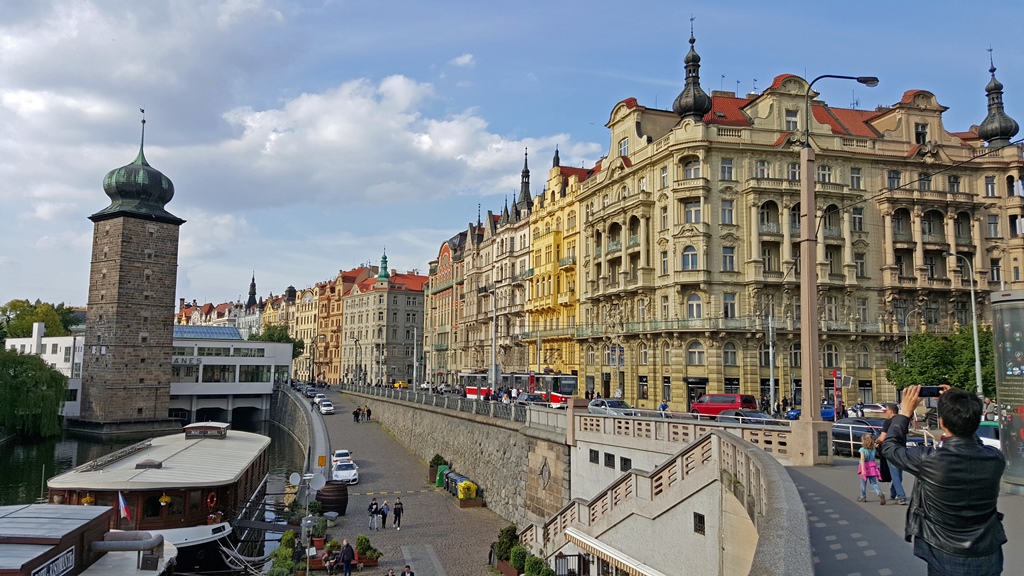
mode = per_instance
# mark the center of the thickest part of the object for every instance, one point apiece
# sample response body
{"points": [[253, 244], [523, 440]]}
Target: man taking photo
{"points": [[952, 519]]}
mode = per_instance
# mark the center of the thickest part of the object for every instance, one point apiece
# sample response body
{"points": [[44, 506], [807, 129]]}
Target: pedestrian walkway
{"points": [[437, 537], [852, 538]]}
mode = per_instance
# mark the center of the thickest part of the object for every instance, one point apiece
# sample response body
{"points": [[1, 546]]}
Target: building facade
{"points": [[443, 306], [381, 333], [690, 243]]}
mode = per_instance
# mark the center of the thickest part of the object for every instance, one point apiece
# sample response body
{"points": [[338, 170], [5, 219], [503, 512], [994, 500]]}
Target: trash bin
{"points": [[449, 475], [439, 480], [467, 490], [456, 480]]}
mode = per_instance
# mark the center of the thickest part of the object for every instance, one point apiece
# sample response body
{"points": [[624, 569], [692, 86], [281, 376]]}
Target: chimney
{"points": [[181, 304]]}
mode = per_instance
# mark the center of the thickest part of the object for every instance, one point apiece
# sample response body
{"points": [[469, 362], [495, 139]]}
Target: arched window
{"points": [[729, 356], [831, 359], [690, 261], [642, 354], [694, 307], [863, 357], [666, 354], [590, 355], [608, 355], [794, 355], [695, 354], [764, 356], [691, 169]]}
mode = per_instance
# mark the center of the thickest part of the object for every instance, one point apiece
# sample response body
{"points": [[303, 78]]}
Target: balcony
{"points": [[826, 187], [902, 236], [567, 261], [440, 347], [634, 240], [934, 238], [597, 251], [614, 246], [564, 299], [964, 240], [833, 232], [770, 228]]}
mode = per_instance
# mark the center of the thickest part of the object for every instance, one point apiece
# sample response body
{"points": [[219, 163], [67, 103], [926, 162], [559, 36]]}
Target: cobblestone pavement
{"points": [[434, 529]]}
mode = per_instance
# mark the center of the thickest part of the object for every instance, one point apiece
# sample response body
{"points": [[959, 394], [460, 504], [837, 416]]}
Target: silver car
{"points": [[612, 406]]}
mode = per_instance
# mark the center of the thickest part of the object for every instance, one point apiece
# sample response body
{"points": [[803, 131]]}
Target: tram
{"points": [[557, 389]]}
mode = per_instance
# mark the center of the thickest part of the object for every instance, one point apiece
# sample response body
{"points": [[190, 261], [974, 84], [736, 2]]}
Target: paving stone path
{"points": [[437, 537]]}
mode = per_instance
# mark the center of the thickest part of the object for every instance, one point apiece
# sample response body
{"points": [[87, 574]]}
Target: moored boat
{"points": [[188, 487]]}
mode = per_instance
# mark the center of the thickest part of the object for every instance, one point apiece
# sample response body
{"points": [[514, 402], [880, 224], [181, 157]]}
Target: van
{"points": [[714, 404]]}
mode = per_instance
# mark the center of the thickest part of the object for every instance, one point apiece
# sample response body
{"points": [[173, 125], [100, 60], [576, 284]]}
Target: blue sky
{"points": [[303, 137]]}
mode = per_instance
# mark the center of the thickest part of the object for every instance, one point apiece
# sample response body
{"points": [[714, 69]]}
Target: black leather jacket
{"points": [[953, 506]]}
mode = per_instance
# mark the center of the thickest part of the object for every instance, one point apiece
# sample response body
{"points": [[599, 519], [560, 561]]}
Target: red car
{"points": [[715, 404]]}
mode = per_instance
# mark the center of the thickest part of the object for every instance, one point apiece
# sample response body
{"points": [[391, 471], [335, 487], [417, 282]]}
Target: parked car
{"points": [[745, 417], [529, 399], [340, 456], [715, 404], [402, 385], [326, 407], [872, 411], [346, 472], [611, 406], [311, 392], [847, 433], [988, 431], [828, 413], [319, 398]]}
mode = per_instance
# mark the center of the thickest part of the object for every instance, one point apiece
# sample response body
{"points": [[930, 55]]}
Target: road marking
{"points": [[398, 492]]}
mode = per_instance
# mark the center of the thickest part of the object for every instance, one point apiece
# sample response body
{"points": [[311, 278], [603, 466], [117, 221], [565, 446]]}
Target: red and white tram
{"points": [[557, 389]]}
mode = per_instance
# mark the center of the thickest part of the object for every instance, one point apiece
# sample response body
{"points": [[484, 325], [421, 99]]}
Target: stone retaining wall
{"points": [[293, 417], [523, 472]]}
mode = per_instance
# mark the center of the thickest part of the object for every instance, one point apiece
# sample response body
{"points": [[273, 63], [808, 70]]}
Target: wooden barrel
{"points": [[334, 497]]}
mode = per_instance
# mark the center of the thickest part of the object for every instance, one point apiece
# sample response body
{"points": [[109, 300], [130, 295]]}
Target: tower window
{"points": [[920, 133], [791, 119]]}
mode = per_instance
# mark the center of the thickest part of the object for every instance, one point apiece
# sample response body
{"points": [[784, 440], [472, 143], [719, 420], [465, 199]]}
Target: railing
{"points": [[634, 240], [770, 228], [440, 347], [934, 238], [760, 484], [902, 236], [833, 232], [597, 251], [440, 287], [455, 403], [964, 240], [614, 246], [567, 261]]}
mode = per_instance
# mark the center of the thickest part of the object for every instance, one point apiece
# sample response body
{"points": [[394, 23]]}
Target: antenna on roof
{"points": [[721, 84], [737, 87], [755, 85], [854, 102]]}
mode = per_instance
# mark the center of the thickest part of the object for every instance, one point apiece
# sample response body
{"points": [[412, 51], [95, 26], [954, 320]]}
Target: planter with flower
{"points": [[88, 501], [215, 517], [366, 554], [165, 500]]}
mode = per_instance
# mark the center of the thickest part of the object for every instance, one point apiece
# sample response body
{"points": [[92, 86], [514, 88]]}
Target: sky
{"points": [[304, 138]]}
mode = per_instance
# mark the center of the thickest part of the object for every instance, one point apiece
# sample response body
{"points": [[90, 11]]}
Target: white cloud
{"points": [[463, 61]]}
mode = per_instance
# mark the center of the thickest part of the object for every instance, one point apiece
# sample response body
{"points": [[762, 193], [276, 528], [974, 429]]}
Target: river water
{"points": [[24, 466]]}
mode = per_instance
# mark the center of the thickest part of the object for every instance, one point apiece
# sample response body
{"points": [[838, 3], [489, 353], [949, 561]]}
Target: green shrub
{"points": [[288, 540], [534, 565], [547, 571], [281, 571], [319, 527], [517, 557], [316, 507], [362, 544], [332, 546], [438, 460], [507, 538]]}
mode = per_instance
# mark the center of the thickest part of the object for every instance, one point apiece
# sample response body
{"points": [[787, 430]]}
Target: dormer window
{"points": [[691, 169], [791, 119], [920, 133], [624, 147]]}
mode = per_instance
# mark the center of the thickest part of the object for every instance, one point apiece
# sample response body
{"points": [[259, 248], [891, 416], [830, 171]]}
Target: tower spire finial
{"points": [[692, 18], [141, 159], [991, 63]]}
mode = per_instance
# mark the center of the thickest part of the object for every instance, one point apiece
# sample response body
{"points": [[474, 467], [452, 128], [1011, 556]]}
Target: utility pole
{"points": [[771, 356], [415, 357]]}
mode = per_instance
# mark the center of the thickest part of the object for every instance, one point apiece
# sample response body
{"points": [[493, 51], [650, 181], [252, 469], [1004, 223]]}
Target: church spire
{"points": [[692, 102], [997, 128], [556, 162], [525, 199], [251, 302]]}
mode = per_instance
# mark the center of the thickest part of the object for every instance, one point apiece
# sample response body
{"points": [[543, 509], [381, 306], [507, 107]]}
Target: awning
{"points": [[623, 562]]}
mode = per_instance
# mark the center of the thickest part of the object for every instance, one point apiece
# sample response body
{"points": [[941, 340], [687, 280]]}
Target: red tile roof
{"points": [[908, 96], [580, 173], [727, 111], [856, 121], [777, 82], [629, 102], [412, 282]]}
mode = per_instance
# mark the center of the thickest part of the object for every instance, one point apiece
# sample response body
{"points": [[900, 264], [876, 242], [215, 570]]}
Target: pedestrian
{"points": [[896, 491], [384, 511], [663, 409], [348, 555], [374, 511], [868, 469], [953, 518], [397, 512], [408, 571], [355, 414], [366, 412], [989, 411], [312, 405]]}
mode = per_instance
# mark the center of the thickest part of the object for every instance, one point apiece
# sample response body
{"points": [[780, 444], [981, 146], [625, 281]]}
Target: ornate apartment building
{"points": [[496, 287], [690, 238], [442, 308], [331, 321], [552, 302], [382, 328]]}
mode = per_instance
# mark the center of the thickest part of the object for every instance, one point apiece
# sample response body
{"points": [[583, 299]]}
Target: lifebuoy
{"points": [[211, 500]]}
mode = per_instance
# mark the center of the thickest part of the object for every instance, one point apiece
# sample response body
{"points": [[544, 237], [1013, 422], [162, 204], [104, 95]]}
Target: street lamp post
{"points": [[974, 326], [808, 262]]}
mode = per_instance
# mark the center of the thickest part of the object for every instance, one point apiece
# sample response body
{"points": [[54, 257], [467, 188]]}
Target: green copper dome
{"points": [[137, 189], [383, 275]]}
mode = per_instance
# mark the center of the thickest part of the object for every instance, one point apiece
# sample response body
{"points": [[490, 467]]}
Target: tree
{"points": [[19, 315], [279, 333], [31, 395], [931, 360]]}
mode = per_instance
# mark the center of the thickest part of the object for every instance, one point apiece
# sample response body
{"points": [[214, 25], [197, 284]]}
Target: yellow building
{"points": [[553, 302]]}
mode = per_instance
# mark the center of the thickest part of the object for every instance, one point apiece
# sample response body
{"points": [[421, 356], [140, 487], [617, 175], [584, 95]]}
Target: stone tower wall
{"points": [[126, 368]]}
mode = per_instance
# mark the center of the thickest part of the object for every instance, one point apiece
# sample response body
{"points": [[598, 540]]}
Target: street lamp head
{"points": [[869, 81], [946, 254]]}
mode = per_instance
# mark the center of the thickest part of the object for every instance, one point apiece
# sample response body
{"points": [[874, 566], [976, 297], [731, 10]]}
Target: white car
{"points": [[340, 456], [319, 398], [326, 407], [346, 472]]}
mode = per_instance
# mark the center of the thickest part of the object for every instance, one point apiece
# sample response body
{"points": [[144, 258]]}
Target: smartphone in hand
{"points": [[929, 392]]}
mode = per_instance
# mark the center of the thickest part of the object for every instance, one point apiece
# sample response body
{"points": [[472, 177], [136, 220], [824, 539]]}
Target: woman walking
{"points": [[384, 511], [868, 469]]}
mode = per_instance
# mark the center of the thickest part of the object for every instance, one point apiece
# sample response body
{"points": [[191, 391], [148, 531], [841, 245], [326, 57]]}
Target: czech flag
{"points": [[122, 506]]}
